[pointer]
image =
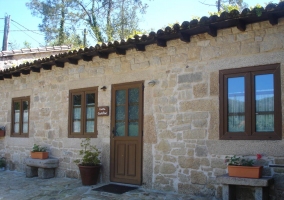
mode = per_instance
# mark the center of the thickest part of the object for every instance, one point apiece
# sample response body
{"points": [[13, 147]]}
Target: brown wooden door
{"points": [[126, 134]]}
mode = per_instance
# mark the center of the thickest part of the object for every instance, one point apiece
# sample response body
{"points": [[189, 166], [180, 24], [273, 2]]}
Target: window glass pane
{"points": [[25, 116], [133, 129], [90, 126], [90, 113], [236, 104], [76, 113], [25, 127], [120, 129], [120, 97], [133, 95], [133, 112], [77, 100], [16, 117], [264, 102], [120, 113], [90, 99], [76, 126]]}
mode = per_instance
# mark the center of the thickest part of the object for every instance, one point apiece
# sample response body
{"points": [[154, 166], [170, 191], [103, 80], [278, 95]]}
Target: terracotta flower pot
{"points": [[39, 155], [89, 174], [245, 171]]}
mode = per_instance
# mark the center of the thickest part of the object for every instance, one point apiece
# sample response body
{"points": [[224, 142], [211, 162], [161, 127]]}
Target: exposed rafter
{"points": [[273, 19], [87, 58], [120, 51], [212, 31], [241, 25], [161, 42], [46, 66], [184, 37], [35, 69], [16, 74], [59, 64], [103, 55], [73, 61]]}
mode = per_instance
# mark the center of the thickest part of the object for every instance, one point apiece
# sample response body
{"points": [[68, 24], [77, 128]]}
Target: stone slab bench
{"points": [[43, 168], [261, 186]]}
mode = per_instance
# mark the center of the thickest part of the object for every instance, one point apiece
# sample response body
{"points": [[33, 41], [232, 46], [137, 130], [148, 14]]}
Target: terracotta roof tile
{"points": [[184, 31]]}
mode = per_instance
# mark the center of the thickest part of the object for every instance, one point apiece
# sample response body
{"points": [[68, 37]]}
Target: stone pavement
{"points": [[15, 186]]}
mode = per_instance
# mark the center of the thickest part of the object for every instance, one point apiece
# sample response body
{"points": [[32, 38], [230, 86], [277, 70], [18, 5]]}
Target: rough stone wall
{"points": [[182, 150]]}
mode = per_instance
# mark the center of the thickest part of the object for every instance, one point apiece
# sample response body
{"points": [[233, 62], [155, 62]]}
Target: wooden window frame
{"points": [[83, 133], [20, 134], [250, 133]]}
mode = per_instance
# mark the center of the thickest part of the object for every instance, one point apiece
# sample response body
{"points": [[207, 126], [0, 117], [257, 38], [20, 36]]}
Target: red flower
{"points": [[258, 156]]}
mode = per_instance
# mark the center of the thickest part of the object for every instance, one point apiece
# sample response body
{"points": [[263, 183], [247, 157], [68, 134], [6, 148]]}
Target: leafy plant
{"points": [[234, 160], [90, 154], [2, 162], [38, 148]]}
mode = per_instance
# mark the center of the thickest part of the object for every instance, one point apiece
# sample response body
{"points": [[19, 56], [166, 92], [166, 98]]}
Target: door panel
{"points": [[120, 159], [126, 136]]}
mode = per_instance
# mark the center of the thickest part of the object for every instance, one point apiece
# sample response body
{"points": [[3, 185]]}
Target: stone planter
{"points": [[89, 174], [39, 155], [245, 171]]}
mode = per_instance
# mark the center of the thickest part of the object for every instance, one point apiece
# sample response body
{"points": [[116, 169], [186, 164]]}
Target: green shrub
{"points": [[38, 148], [90, 154]]}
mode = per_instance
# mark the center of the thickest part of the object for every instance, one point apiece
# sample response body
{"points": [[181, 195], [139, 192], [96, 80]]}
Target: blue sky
{"points": [[159, 14]]}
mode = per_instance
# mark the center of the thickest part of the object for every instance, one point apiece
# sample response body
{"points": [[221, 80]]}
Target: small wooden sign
{"points": [[103, 111]]}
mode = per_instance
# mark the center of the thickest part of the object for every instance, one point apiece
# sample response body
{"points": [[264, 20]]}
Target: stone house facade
{"points": [[177, 73]]}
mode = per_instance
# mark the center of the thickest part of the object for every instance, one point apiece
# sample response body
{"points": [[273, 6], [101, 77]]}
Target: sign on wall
{"points": [[103, 111]]}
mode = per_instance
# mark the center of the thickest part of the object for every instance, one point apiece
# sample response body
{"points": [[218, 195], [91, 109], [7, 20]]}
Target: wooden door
{"points": [[126, 134]]}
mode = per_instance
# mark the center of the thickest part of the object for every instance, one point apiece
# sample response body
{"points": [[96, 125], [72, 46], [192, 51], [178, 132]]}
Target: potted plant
{"points": [[2, 131], [244, 168], [2, 162], [89, 165], [39, 152]]}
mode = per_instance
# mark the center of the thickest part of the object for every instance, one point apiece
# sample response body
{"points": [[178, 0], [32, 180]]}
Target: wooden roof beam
{"points": [[35, 69], [25, 71], [46, 66], [162, 42], [73, 61], [8, 76], [87, 58], [212, 31], [120, 51], [103, 55], [184, 37], [59, 64], [140, 47], [241, 25], [273, 19], [16, 74]]}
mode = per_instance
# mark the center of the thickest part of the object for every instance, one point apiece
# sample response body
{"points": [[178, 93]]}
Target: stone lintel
{"points": [[43, 163], [256, 182]]}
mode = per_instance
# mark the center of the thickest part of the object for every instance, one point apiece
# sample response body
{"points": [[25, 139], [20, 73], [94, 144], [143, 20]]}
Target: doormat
{"points": [[116, 189]]}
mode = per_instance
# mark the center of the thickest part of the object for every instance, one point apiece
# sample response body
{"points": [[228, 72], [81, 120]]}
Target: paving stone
{"points": [[14, 185]]}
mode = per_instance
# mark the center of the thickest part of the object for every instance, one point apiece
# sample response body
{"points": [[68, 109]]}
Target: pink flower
{"points": [[258, 156]]}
